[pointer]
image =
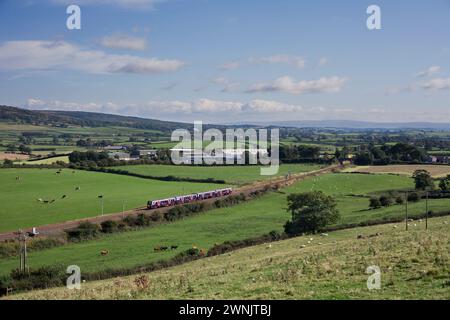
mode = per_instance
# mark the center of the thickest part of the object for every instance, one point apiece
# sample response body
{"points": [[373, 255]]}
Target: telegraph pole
{"points": [[101, 197], [23, 265]]}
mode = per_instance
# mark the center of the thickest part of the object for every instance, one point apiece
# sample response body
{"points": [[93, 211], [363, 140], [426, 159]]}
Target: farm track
{"points": [[281, 182]]}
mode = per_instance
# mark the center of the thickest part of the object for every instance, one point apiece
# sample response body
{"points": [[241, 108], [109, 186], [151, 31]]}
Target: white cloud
{"points": [[137, 4], [230, 65], [151, 108], [121, 41], [61, 55], [37, 104], [397, 90], [227, 86], [437, 84], [290, 85], [295, 61], [428, 72], [270, 106]]}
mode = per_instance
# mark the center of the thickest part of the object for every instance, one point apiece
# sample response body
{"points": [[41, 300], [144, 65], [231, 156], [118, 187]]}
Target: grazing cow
{"points": [[173, 247], [157, 249], [164, 248], [104, 252]]}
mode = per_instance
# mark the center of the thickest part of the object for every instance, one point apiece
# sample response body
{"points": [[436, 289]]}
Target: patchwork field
{"points": [[231, 174], [13, 156], [64, 159], [21, 189], [249, 219], [413, 264], [435, 170]]}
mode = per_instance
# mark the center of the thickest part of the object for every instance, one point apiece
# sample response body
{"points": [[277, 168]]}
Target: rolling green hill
{"points": [[413, 265], [249, 219]]}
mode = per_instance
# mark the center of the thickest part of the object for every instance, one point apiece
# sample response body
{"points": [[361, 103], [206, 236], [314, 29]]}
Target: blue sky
{"points": [[229, 61]]}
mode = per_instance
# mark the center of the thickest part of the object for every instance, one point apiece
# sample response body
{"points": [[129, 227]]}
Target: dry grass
{"points": [[436, 171], [13, 156], [414, 265]]}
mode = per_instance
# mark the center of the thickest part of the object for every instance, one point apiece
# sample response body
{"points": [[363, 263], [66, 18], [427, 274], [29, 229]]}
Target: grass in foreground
{"points": [[414, 265], [21, 208]]}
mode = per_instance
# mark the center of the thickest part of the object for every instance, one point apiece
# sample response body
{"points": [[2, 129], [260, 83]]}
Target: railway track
{"points": [[281, 182]]}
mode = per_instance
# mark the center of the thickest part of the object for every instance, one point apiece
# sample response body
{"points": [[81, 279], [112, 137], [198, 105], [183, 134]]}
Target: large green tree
{"points": [[311, 212], [444, 184], [423, 180]]}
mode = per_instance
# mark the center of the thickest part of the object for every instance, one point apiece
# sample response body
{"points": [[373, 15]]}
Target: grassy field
{"points": [[21, 208], [246, 220], [231, 174], [413, 264], [64, 159], [435, 170]]}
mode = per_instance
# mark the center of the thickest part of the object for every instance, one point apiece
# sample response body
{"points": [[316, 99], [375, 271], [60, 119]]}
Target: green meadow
{"points": [[249, 219], [414, 265], [21, 207], [230, 174]]}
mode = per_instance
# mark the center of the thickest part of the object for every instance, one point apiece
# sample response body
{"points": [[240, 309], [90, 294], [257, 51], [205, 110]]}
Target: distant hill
{"points": [[350, 124], [93, 119], [85, 119]]}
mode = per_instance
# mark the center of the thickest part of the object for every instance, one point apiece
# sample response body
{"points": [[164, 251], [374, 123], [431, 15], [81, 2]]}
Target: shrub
{"points": [[109, 226], [374, 203], [143, 220], [399, 200], [413, 197], [385, 201], [156, 216], [43, 277], [5, 283], [84, 231]]}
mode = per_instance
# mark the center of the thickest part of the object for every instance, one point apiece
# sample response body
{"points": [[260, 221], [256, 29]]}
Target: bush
{"points": [[156, 216], [413, 197], [374, 203], [43, 277], [5, 283], [385, 201], [109, 226], [84, 231], [399, 200]]}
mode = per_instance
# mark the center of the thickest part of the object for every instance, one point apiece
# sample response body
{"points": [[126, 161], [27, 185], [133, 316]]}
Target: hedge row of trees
{"points": [[87, 230], [386, 154]]}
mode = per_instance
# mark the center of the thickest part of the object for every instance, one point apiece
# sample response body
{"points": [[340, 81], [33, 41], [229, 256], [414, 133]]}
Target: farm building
{"points": [[149, 153], [123, 156]]}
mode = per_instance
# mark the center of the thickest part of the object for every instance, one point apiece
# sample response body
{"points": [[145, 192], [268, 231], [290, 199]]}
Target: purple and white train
{"points": [[169, 202]]}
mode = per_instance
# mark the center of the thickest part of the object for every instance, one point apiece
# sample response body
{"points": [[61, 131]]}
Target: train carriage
{"points": [[169, 202]]}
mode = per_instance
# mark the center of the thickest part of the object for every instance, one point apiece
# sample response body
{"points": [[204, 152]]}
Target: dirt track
{"points": [[56, 228]]}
